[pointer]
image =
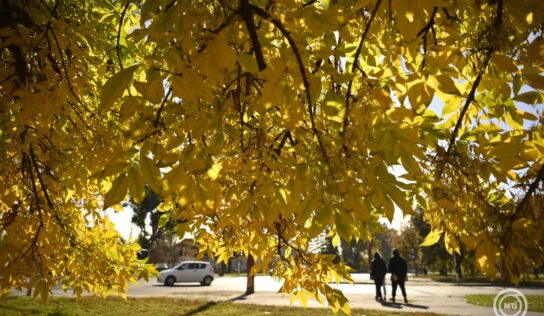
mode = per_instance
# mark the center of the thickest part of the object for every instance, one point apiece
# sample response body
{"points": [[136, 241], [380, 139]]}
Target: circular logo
{"points": [[510, 302]]}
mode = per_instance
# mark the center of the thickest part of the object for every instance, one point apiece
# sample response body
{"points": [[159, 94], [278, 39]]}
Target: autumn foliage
{"points": [[262, 123]]}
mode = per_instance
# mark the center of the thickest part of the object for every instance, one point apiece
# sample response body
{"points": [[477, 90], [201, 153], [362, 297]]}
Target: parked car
{"points": [[188, 271], [161, 266]]}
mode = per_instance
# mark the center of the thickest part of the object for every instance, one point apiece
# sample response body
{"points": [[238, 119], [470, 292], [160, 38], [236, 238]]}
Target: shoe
{"points": [[393, 299], [405, 300]]}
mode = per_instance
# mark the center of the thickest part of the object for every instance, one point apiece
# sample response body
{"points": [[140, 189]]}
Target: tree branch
{"points": [[277, 23], [117, 46], [532, 188], [354, 68], [468, 101], [66, 71], [246, 11]]}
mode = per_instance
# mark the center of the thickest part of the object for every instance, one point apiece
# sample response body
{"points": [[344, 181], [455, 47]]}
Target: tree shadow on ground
{"points": [[177, 285], [241, 297], [391, 304], [200, 309], [417, 306]]}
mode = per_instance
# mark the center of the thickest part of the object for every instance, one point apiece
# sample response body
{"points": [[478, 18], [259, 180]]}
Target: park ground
{"points": [[225, 297]]}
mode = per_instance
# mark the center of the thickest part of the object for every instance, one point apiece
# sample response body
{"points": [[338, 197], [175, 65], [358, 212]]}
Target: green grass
{"points": [[535, 302], [158, 306]]}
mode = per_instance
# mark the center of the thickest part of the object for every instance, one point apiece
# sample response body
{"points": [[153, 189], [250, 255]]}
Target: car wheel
{"points": [[207, 281], [170, 281]]}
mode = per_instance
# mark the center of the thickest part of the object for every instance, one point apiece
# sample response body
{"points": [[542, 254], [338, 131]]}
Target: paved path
{"points": [[423, 294]]}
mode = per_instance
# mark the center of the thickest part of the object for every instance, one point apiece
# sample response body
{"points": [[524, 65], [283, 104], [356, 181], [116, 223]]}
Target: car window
{"points": [[193, 266], [201, 265], [183, 267]]}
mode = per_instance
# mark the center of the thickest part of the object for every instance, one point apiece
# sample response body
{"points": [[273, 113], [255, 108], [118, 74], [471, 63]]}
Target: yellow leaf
{"points": [[443, 83], [521, 224], [114, 87], [383, 97], [447, 204], [486, 257], [535, 51], [535, 81], [151, 173], [432, 238], [503, 62], [221, 52], [213, 172], [420, 94], [336, 240], [155, 90], [451, 244], [69, 194], [117, 192], [529, 97], [136, 185]]}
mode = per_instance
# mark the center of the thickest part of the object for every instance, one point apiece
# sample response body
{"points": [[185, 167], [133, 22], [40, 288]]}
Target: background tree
{"points": [[147, 218], [266, 122]]}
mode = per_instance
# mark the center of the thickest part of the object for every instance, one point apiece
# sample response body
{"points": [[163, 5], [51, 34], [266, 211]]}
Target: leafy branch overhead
{"points": [[260, 124]]}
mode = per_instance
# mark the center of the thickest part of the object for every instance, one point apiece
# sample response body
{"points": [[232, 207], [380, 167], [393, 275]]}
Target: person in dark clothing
{"points": [[377, 273], [398, 270]]}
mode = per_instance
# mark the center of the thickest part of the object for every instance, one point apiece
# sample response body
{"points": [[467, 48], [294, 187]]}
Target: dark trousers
{"points": [[400, 283], [378, 283]]}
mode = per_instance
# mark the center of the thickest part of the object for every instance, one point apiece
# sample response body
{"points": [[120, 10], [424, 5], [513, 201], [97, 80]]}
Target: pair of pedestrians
{"points": [[398, 269]]}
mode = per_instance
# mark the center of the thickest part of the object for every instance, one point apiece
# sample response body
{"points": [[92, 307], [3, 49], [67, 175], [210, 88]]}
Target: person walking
{"points": [[378, 271], [398, 269]]}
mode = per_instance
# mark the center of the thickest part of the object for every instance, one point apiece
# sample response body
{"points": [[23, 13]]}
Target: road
{"points": [[423, 294]]}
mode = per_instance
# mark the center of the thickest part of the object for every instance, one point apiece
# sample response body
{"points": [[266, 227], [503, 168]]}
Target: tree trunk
{"points": [[369, 252], [250, 278]]}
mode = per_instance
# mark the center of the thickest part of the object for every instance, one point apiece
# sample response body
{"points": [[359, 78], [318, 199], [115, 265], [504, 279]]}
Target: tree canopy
{"points": [[262, 123]]}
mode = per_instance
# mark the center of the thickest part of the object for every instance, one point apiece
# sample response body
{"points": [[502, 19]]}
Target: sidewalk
{"points": [[452, 305]]}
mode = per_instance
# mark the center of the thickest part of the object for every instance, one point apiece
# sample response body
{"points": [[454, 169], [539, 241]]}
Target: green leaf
{"points": [[114, 87]]}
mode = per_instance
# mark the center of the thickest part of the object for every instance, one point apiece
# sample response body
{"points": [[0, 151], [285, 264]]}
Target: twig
{"points": [[157, 119]]}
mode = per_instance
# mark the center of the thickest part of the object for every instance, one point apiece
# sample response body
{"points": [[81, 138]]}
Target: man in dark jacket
{"points": [[398, 270], [377, 273]]}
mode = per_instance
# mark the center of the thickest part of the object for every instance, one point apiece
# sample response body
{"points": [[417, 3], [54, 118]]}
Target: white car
{"points": [[188, 271]]}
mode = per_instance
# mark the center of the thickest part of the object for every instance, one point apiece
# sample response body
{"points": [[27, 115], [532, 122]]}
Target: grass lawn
{"points": [[158, 306], [535, 302]]}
